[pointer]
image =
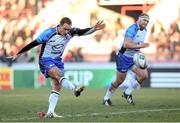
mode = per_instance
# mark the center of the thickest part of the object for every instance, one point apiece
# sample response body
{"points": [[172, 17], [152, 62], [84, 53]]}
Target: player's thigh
{"points": [[120, 77], [55, 85], [143, 73], [55, 73], [53, 68]]}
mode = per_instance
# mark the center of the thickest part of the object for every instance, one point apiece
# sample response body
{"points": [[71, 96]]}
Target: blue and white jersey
{"points": [[137, 36], [53, 44]]}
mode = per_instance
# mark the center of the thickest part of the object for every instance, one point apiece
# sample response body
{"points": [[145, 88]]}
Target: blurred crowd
{"points": [[17, 30], [167, 42]]}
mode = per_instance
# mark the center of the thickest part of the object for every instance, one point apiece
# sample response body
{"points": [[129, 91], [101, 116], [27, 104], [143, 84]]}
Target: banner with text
{"points": [[6, 78]]}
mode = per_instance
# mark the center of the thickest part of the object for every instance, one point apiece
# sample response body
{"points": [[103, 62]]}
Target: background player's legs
{"points": [[141, 74], [123, 64], [130, 83], [119, 79]]}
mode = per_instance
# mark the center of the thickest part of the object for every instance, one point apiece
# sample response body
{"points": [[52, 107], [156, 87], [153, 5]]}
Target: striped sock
{"points": [[67, 84], [53, 99], [109, 92]]}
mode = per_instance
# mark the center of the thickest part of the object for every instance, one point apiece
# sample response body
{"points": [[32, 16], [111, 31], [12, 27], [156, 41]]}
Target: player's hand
{"points": [[144, 45], [13, 57], [99, 25]]}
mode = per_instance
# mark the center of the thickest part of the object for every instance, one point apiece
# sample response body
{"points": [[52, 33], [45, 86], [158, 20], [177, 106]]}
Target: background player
{"points": [[133, 41]]}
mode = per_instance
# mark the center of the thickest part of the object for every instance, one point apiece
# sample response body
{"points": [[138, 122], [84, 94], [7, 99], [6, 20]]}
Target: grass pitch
{"points": [[152, 105]]}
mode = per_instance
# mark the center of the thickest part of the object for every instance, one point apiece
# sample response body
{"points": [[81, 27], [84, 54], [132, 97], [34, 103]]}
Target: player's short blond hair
{"points": [[65, 20]]}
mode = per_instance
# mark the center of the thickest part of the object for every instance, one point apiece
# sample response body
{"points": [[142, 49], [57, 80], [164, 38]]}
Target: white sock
{"points": [[130, 80], [53, 99], [136, 84], [124, 85], [67, 84], [109, 93], [129, 90]]}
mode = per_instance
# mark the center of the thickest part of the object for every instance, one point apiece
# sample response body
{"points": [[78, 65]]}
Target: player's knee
{"points": [[57, 77], [143, 77], [55, 82], [55, 85], [115, 84], [121, 79], [118, 81], [55, 74]]}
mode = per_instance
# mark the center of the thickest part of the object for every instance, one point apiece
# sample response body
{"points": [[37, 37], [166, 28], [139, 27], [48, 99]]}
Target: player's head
{"points": [[65, 26], [143, 20]]}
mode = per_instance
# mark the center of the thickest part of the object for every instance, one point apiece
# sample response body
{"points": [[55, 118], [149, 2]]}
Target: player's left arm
{"points": [[98, 26], [128, 40]]}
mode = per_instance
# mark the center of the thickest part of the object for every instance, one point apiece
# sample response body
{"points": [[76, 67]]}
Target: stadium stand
{"points": [[22, 20]]}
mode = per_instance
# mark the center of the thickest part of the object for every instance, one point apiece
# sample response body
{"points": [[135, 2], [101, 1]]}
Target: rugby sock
{"points": [[109, 92], [131, 88], [136, 84], [123, 85], [67, 84], [53, 99]]}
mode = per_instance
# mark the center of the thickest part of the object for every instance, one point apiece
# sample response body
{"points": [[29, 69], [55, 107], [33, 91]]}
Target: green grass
{"points": [[152, 105]]}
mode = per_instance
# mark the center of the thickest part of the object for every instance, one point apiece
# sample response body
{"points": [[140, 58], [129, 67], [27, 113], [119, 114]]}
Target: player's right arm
{"points": [[25, 49], [28, 47], [128, 40], [42, 38]]}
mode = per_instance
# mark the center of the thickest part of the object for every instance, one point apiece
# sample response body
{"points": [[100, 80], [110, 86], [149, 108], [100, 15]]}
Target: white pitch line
{"points": [[19, 119], [98, 114], [124, 112]]}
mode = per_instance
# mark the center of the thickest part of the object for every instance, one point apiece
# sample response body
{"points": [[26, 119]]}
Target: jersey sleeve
{"points": [[131, 32], [45, 35], [80, 32], [28, 47]]}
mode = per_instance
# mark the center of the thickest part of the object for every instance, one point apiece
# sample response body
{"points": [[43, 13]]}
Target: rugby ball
{"points": [[140, 60]]}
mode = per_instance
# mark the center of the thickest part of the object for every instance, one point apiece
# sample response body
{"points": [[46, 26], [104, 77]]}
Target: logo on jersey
{"points": [[57, 49]]}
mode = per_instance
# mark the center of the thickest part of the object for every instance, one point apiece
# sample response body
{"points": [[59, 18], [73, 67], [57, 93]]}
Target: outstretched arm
{"points": [[24, 49], [98, 26]]}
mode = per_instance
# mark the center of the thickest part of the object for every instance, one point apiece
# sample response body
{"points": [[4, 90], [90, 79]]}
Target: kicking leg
{"points": [[69, 85]]}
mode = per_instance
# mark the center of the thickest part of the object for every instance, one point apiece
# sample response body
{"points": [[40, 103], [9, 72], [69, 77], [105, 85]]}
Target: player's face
{"points": [[64, 29], [143, 23]]}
